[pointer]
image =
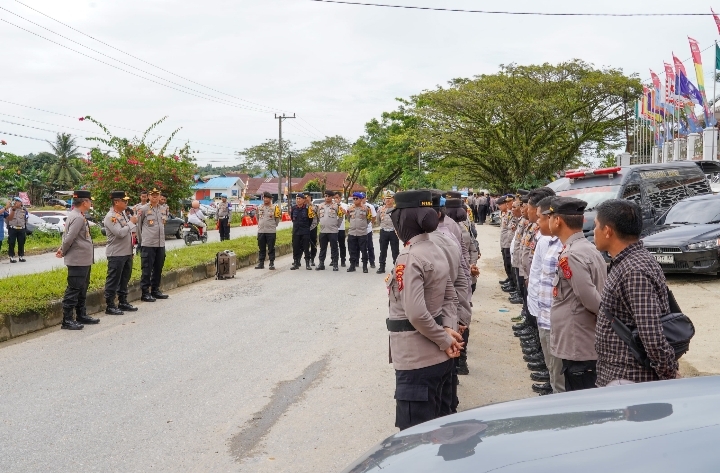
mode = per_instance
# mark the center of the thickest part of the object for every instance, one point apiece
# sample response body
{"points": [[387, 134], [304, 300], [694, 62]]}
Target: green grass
{"points": [[235, 220], [34, 292], [42, 242]]}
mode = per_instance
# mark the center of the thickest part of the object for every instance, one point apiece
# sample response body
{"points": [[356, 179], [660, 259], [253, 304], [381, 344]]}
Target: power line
{"points": [[496, 12]]}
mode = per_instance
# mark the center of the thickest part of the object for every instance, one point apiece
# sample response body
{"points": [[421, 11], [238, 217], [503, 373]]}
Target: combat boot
{"points": [[312, 262], [124, 305], [342, 262], [260, 265], [335, 266], [365, 270], [320, 266], [381, 269], [307, 265], [111, 309], [68, 322], [147, 297], [272, 265], [82, 317], [351, 269]]}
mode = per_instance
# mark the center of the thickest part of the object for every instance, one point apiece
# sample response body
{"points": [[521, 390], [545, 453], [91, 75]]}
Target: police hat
{"points": [[359, 195], [82, 195], [453, 195], [453, 203], [524, 198], [329, 193], [300, 195], [413, 199], [267, 194], [154, 191], [566, 206], [119, 195], [522, 192], [388, 194]]}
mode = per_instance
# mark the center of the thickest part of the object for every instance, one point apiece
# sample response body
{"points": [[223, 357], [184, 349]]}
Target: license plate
{"points": [[665, 259]]}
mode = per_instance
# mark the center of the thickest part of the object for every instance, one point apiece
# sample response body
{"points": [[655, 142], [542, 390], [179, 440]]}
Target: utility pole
{"points": [[280, 119]]}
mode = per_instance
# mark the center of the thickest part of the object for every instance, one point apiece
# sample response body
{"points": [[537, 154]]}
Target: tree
{"points": [[140, 166], [262, 159], [63, 172], [314, 185], [525, 121], [327, 154]]}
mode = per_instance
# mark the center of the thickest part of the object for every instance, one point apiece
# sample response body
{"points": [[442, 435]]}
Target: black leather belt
{"points": [[17, 228], [405, 325]]}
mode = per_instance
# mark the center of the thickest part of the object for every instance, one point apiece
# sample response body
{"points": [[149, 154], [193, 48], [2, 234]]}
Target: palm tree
{"points": [[63, 172]]}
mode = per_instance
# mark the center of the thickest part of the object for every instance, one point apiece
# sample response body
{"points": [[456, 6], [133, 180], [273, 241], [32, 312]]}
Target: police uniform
{"points": [[341, 236], [422, 300], [505, 239], [119, 252], [388, 237], [331, 217], [151, 237], [303, 217], [17, 230], [359, 217], [313, 231], [223, 215], [268, 218], [79, 255], [370, 243], [577, 288]]}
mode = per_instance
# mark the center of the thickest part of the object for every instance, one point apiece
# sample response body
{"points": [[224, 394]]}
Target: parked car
{"points": [[208, 210], [495, 218], [64, 203], [173, 227], [687, 238], [655, 188], [55, 222], [34, 223], [641, 428]]}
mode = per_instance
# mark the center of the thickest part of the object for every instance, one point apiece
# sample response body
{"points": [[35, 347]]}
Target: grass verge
{"points": [[43, 242], [34, 292]]}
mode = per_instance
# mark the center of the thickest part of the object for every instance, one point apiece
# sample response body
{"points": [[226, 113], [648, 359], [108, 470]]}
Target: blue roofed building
{"points": [[211, 190]]}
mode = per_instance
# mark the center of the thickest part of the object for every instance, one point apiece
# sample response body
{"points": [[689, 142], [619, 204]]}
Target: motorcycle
{"points": [[192, 232]]}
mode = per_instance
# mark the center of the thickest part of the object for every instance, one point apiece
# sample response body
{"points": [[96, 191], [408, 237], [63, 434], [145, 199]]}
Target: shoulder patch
{"points": [[565, 267], [399, 271]]}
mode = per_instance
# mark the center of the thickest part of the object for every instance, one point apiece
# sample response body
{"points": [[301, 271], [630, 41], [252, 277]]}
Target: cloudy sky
{"points": [[335, 66]]}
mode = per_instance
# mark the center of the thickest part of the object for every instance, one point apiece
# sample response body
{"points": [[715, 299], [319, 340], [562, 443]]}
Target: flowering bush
{"points": [[134, 165]]}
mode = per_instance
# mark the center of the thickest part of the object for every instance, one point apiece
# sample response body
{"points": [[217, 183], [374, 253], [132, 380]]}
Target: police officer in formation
{"points": [[304, 218], [78, 253], [337, 198], [331, 217], [223, 216], [359, 216], [151, 238], [17, 229], [388, 237], [119, 251], [268, 216]]}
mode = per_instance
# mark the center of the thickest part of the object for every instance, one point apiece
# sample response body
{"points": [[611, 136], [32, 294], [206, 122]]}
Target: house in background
{"points": [[210, 191]]}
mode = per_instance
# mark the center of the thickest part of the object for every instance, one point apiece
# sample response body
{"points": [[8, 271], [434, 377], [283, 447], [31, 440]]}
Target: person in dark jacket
{"points": [[302, 216]]}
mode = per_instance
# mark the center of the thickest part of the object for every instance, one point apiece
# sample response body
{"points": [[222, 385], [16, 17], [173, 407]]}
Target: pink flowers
{"points": [[133, 162], [81, 119], [176, 158], [3, 142]]}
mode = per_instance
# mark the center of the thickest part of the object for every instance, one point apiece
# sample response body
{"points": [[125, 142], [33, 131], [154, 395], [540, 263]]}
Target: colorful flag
{"points": [[685, 88], [717, 20], [717, 57], [679, 66], [697, 59]]}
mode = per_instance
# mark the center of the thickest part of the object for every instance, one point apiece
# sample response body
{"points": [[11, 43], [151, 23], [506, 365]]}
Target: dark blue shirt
{"points": [[301, 221]]}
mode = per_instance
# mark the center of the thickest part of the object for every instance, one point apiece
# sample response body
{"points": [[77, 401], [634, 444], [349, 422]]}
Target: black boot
{"points": [[307, 265], [272, 265], [260, 265], [320, 266], [82, 317], [335, 265], [111, 309], [124, 305], [295, 265], [351, 269], [147, 297], [68, 322], [381, 269], [312, 262], [365, 270], [158, 294], [342, 262]]}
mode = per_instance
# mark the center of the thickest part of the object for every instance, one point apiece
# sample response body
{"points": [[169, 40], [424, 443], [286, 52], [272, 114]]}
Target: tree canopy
{"points": [[63, 172]]}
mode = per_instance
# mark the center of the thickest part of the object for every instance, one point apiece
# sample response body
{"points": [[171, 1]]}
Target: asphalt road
{"points": [[47, 261]]}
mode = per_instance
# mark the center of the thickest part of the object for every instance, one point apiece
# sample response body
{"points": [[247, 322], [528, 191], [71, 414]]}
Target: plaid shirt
{"points": [[545, 291], [636, 294]]}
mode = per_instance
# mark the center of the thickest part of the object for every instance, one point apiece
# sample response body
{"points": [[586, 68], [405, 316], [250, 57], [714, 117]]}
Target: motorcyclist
{"points": [[197, 218]]}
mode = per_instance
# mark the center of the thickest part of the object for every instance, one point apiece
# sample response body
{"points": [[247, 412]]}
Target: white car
{"points": [[55, 222], [208, 210]]}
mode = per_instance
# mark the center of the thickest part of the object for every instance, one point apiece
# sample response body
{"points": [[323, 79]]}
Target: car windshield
{"points": [[594, 196], [694, 211], [51, 219]]}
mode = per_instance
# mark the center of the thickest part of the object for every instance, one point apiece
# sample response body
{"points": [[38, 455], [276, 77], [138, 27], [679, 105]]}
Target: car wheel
{"points": [[179, 233]]}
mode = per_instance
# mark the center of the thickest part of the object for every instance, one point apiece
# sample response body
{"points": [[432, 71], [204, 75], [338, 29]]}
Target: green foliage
{"points": [[138, 166], [64, 171], [525, 120], [314, 185], [262, 160], [326, 155]]}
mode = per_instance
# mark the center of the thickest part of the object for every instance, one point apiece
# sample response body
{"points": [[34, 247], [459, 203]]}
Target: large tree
{"points": [[525, 123], [326, 155], [63, 172], [262, 160]]}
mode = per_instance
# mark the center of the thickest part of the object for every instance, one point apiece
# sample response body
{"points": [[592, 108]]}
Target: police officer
{"points": [[151, 237], [268, 216], [387, 232], [577, 288], [341, 229], [119, 252], [17, 229], [313, 229], [422, 310], [482, 208], [302, 216], [359, 215], [77, 249], [330, 216], [223, 215], [143, 201], [370, 244]]}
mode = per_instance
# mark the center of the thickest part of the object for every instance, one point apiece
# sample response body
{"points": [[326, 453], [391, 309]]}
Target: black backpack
{"points": [[677, 328]]}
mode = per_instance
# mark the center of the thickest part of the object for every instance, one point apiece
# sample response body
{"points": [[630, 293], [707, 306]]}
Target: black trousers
{"points": [[341, 244], [476, 217], [331, 238], [153, 260], [370, 248], [224, 228], [356, 246], [506, 263], [388, 238], [579, 374], [118, 276], [301, 245], [18, 236], [266, 243], [482, 211], [419, 394], [313, 243], [78, 280]]}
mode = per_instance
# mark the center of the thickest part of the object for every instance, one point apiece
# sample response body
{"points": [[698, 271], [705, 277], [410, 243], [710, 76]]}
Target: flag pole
{"points": [[714, 145]]}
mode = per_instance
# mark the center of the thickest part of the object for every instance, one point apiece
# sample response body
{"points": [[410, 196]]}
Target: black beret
{"points": [[566, 206], [453, 203], [413, 199], [521, 192], [524, 198], [82, 195], [329, 193], [453, 195], [300, 195], [501, 200], [119, 195], [267, 194]]}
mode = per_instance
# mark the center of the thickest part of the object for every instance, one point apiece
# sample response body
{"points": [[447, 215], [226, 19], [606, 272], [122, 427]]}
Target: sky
{"points": [[334, 66]]}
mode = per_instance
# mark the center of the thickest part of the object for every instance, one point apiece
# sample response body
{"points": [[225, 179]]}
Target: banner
{"points": [[685, 88], [697, 59], [669, 82], [717, 20], [24, 197], [679, 66]]}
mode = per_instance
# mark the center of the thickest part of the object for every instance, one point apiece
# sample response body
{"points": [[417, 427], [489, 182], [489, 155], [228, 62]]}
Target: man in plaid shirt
{"points": [[636, 294]]}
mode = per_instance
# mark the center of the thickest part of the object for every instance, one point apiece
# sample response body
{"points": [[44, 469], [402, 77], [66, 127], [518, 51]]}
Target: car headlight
{"points": [[705, 245]]}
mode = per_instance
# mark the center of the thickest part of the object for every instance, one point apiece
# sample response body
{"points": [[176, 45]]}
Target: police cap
{"points": [[82, 195], [413, 199], [566, 206], [267, 194], [154, 191], [119, 195], [453, 195], [453, 203]]}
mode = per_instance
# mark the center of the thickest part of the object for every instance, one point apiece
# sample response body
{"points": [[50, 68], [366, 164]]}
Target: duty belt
{"points": [[405, 325], [17, 228]]}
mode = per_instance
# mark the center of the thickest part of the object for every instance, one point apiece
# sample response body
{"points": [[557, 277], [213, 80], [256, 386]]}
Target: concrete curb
{"points": [[17, 325]]}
